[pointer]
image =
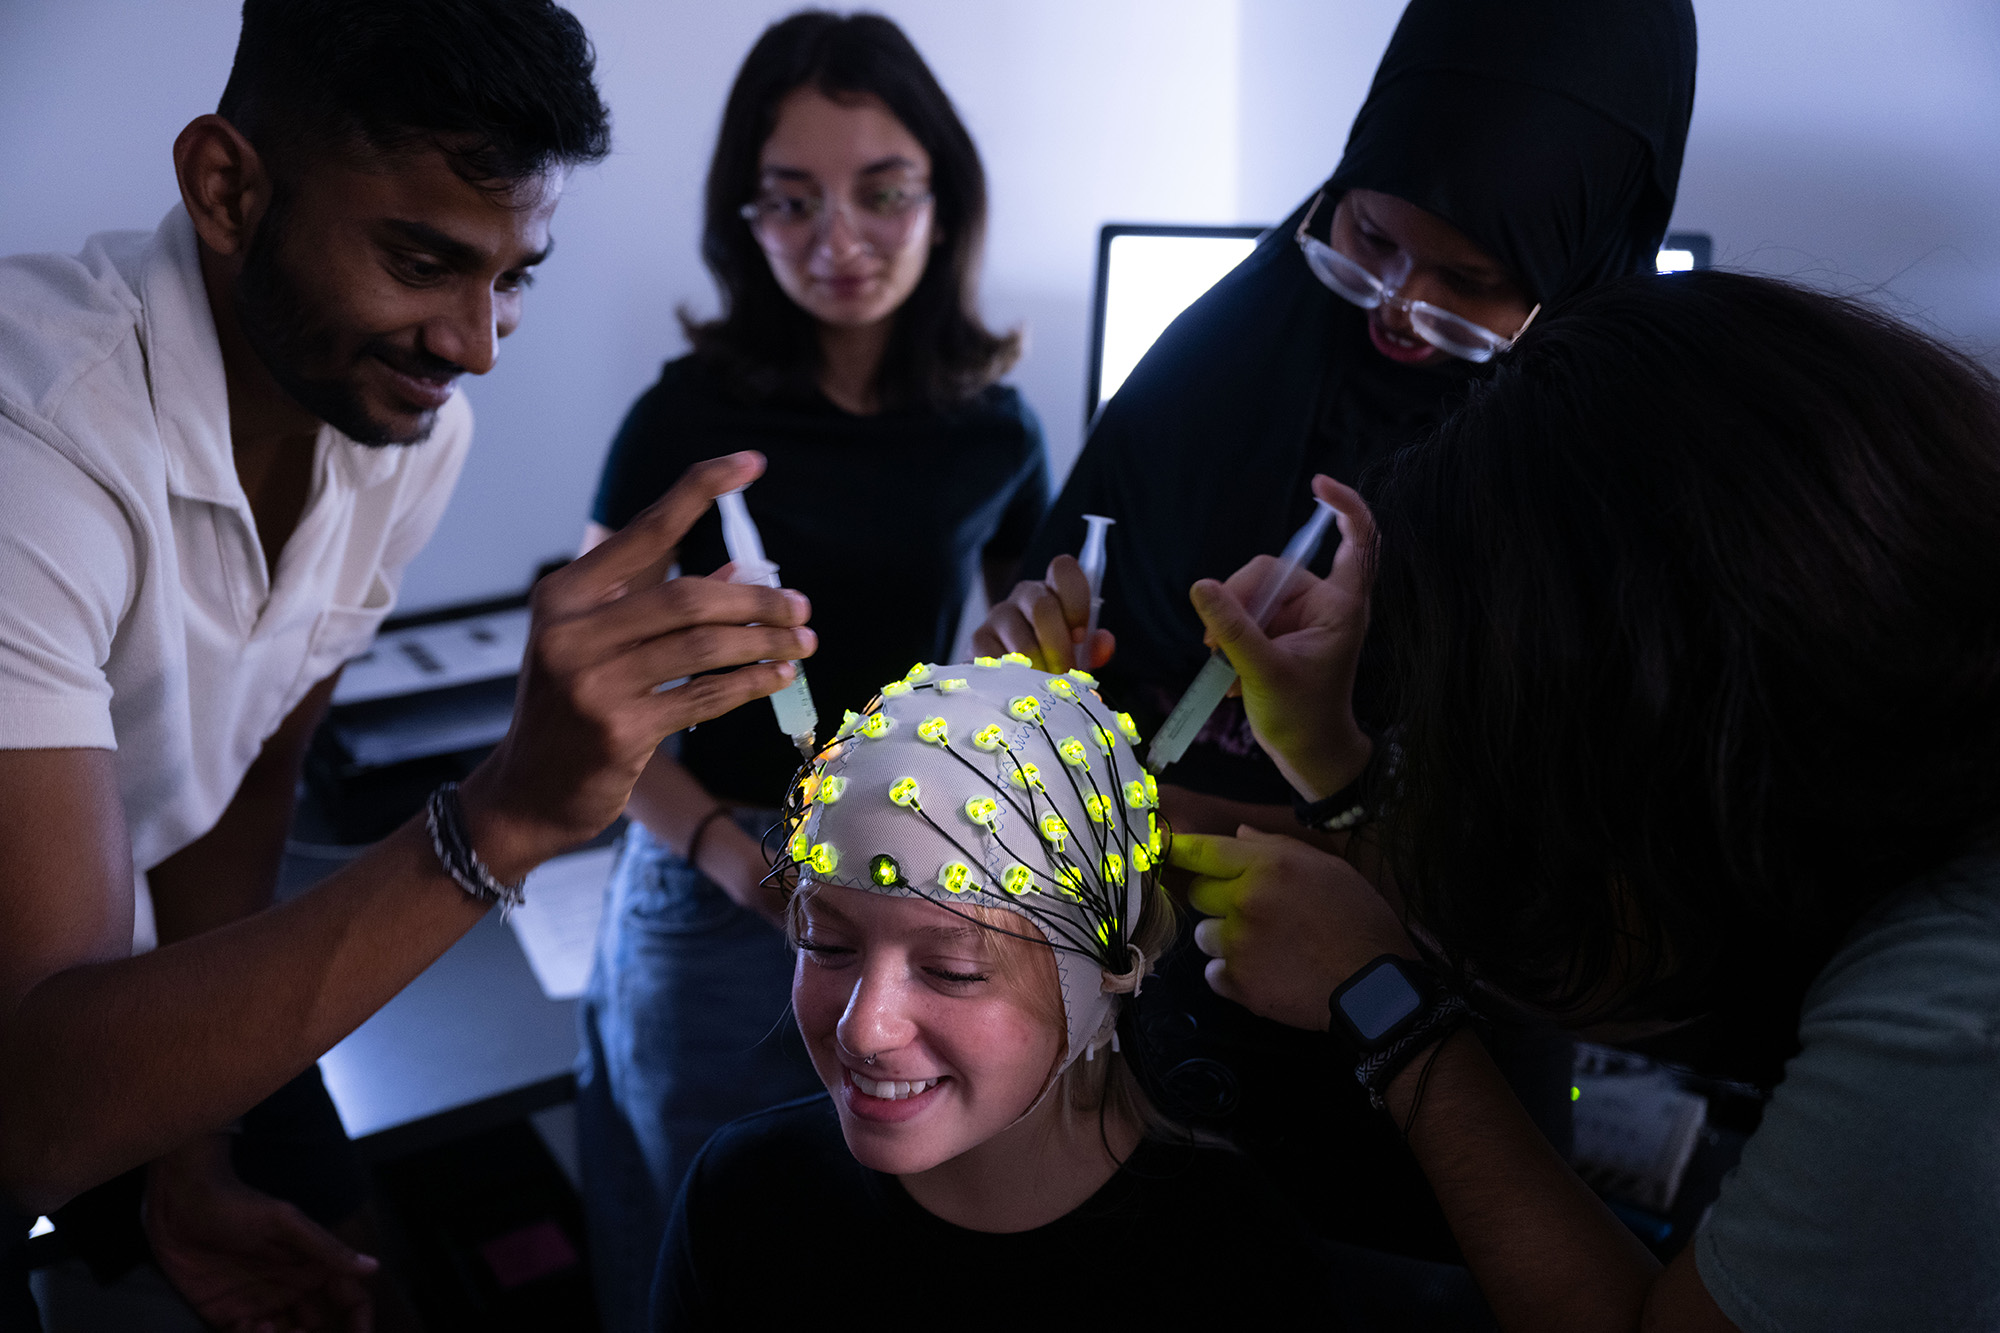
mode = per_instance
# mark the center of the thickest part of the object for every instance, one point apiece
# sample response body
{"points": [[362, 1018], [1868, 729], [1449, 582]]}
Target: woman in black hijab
{"points": [[1525, 152], [1507, 156]]}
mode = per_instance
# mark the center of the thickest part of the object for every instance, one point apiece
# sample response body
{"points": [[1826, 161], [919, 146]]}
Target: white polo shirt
{"points": [[136, 613]]}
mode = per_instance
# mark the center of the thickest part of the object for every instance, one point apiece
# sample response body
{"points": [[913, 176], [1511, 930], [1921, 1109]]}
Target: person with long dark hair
{"points": [[1692, 622], [846, 209]]}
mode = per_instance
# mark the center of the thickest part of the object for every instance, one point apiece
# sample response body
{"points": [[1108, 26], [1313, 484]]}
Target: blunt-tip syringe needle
{"points": [[794, 703], [1212, 682]]}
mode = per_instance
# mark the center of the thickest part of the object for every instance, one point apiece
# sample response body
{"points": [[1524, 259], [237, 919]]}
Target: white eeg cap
{"points": [[996, 785]]}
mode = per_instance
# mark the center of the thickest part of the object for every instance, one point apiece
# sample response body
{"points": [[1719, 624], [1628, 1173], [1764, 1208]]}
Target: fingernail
{"points": [[799, 603], [366, 1263], [807, 639], [786, 669]]}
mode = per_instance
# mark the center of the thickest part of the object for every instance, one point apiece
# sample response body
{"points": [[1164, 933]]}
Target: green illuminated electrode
{"points": [[794, 704]]}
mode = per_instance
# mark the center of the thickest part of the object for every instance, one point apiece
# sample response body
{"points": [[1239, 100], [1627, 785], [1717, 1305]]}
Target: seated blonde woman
{"points": [[975, 905]]}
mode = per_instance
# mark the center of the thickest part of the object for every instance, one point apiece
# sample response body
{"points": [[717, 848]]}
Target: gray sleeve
{"points": [[1869, 1198]]}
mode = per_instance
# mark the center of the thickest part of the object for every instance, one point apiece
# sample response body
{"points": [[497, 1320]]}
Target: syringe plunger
{"points": [[1092, 561]]}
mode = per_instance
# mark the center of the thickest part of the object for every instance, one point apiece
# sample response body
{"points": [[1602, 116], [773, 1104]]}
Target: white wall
{"points": [[1849, 143], [1843, 141], [1112, 109]]}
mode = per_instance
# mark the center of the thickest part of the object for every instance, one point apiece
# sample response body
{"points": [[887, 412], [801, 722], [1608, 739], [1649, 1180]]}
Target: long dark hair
{"points": [[1692, 618], [939, 352]]}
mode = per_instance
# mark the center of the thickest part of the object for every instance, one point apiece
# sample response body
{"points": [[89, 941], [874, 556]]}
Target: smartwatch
{"points": [[1380, 1003], [1387, 1014]]}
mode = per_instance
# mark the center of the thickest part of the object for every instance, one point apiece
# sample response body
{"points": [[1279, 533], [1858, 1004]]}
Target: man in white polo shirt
{"points": [[220, 445]]}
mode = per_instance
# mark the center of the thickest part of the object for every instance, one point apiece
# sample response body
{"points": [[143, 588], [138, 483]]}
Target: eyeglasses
{"points": [[1348, 279], [795, 221]]}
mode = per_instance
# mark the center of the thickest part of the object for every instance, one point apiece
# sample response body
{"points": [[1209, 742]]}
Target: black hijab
{"points": [[1548, 131]]}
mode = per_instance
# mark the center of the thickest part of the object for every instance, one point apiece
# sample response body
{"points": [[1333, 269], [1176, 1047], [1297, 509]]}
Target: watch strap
{"points": [[1444, 1013]]}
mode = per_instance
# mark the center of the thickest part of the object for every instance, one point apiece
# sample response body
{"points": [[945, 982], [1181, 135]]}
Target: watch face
{"points": [[1379, 1001]]}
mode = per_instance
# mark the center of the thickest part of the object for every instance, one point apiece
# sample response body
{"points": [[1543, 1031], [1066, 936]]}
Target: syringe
{"points": [[794, 703], [1171, 741], [1092, 560]]}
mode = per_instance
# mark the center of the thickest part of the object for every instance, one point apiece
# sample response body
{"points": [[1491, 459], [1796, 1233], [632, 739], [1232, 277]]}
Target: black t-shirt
{"points": [[777, 1226], [880, 520]]}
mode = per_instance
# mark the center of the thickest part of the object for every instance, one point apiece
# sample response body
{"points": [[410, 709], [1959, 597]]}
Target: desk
{"points": [[471, 1043]]}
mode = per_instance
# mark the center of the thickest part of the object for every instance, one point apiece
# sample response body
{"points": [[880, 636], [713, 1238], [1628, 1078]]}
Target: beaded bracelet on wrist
{"points": [[445, 818], [1360, 800]]}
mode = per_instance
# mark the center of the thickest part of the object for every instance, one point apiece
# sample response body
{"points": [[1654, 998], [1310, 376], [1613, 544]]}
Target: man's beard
{"points": [[279, 323]]}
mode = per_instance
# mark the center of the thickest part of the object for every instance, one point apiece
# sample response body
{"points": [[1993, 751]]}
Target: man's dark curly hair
{"points": [[502, 87]]}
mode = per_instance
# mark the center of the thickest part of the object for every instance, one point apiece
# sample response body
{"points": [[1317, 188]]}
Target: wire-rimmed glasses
{"points": [[793, 220], [1348, 279]]}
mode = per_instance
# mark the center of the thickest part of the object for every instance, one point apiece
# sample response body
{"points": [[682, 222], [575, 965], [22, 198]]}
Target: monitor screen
{"points": [[1147, 275]]}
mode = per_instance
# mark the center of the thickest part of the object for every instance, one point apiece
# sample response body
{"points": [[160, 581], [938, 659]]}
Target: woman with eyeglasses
{"points": [[846, 206], [1506, 157]]}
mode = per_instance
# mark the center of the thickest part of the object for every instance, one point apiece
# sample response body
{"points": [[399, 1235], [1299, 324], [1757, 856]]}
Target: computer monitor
{"points": [[1685, 250], [1147, 275]]}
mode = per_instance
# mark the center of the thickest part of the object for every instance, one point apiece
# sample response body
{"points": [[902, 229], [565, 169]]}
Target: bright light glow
{"points": [[1151, 279], [1675, 261], [42, 1227]]}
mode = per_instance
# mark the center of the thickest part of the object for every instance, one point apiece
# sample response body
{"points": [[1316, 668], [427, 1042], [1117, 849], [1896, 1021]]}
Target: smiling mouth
{"points": [[893, 1090], [426, 391], [1397, 346]]}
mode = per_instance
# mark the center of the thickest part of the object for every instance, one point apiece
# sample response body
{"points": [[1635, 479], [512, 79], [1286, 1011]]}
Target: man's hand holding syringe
{"points": [[241, 1009], [610, 629]]}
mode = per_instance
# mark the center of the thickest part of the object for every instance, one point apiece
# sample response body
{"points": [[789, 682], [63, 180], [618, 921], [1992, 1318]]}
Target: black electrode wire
{"points": [[1029, 816], [972, 856], [1110, 901], [1097, 878], [1133, 836], [1106, 898], [1053, 925]]}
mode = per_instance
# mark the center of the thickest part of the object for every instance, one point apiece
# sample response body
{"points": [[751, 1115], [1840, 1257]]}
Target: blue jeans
{"points": [[686, 1025]]}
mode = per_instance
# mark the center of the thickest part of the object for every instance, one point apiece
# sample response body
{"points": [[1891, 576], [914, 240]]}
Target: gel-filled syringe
{"points": [[1212, 683], [794, 704]]}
